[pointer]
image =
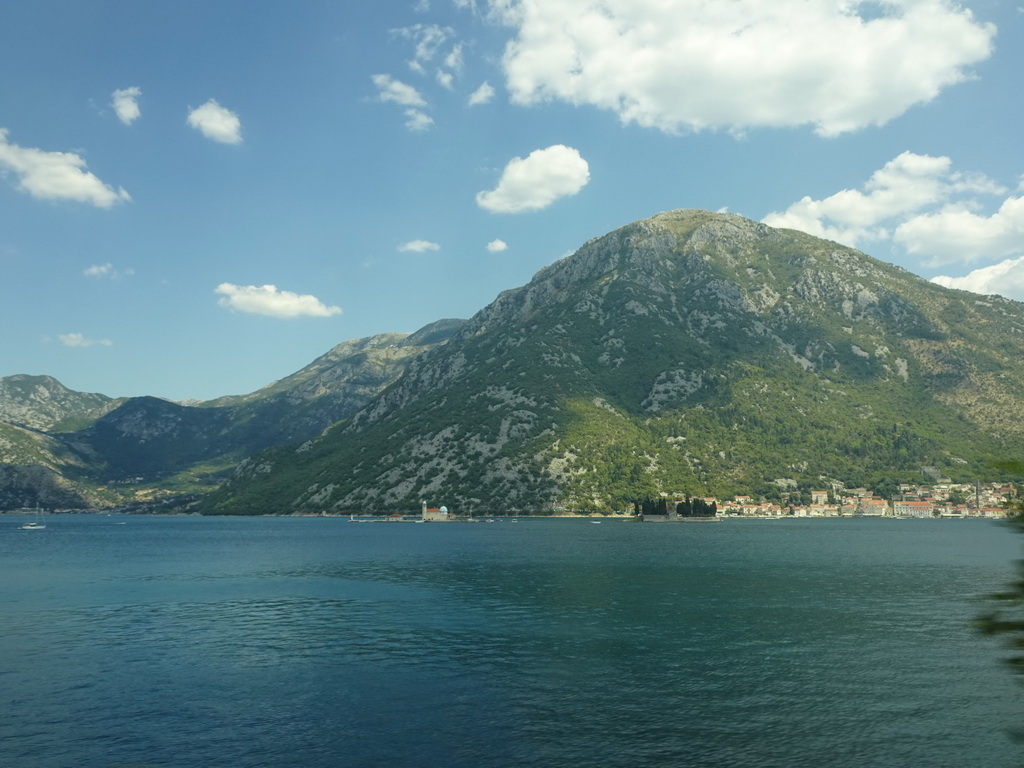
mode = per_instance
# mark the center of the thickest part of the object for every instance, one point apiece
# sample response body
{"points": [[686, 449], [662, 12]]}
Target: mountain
{"points": [[122, 448], [332, 387], [39, 469], [42, 402], [148, 438], [691, 352]]}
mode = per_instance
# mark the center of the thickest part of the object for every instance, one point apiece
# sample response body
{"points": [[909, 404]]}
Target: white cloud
{"points": [[216, 122], [428, 40], [398, 92], [126, 104], [454, 60], [956, 233], [482, 95], [894, 204], [268, 300], [921, 206], [1005, 278], [902, 186], [418, 246], [100, 270], [415, 120], [106, 271], [680, 65], [56, 175], [497, 246], [534, 182], [78, 340]]}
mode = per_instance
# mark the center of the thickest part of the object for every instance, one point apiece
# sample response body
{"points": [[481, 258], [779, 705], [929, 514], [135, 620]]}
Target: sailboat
{"points": [[34, 525]]}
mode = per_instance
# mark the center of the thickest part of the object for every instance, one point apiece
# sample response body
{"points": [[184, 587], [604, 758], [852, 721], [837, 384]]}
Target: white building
{"points": [[435, 514]]}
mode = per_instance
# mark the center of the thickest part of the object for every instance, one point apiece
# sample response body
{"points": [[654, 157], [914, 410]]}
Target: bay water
{"points": [[237, 642]]}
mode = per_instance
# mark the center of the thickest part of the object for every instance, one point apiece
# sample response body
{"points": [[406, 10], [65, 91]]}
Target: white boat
{"points": [[34, 525]]}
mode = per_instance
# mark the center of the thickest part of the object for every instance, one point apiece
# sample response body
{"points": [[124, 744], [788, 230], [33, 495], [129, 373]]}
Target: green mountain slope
{"points": [[331, 388], [688, 353], [39, 470], [149, 439]]}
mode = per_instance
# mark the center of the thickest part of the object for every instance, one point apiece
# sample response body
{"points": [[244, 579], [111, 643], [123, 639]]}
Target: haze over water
{"points": [[316, 642]]}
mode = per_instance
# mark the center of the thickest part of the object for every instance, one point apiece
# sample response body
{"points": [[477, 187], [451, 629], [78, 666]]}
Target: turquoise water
{"points": [[316, 642]]}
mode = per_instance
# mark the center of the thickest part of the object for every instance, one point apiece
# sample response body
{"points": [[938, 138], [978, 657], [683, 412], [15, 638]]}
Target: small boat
{"points": [[595, 522], [34, 525]]}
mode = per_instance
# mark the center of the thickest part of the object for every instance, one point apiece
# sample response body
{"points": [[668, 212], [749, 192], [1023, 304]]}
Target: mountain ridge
{"points": [[42, 402], [687, 353], [668, 357], [119, 445]]}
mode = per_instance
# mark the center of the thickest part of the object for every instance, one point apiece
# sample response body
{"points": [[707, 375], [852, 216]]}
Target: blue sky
{"points": [[198, 198]]}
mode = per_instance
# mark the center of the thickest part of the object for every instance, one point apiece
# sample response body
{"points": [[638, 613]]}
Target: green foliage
{"points": [[696, 508], [1005, 617]]}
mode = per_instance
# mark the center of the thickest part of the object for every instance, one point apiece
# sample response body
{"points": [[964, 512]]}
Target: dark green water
{"points": [[317, 642]]}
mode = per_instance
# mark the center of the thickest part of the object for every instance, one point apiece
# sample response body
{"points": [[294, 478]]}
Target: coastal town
{"points": [[947, 500], [941, 500]]}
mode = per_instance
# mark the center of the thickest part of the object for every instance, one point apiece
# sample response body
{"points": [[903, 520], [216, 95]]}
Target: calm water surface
{"points": [[316, 642]]}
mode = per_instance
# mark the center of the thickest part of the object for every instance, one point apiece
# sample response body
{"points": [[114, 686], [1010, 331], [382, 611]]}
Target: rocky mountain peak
{"points": [[43, 403]]}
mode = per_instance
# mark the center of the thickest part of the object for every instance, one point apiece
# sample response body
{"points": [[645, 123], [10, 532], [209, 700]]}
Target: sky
{"points": [[198, 198]]}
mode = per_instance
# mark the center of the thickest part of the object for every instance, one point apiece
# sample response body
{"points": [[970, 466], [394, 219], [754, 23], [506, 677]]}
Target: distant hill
{"points": [[687, 353], [99, 450], [42, 402], [39, 469]]}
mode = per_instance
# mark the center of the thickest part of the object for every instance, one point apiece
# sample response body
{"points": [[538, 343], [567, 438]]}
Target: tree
{"points": [[654, 507], [1006, 619], [956, 496]]}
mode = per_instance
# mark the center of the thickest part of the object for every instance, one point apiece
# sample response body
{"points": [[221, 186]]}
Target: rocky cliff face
{"points": [[36, 469], [332, 387], [42, 402], [688, 353]]}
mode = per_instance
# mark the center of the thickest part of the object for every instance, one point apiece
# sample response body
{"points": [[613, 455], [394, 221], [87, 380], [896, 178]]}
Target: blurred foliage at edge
{"points": [[1005, 619]]}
